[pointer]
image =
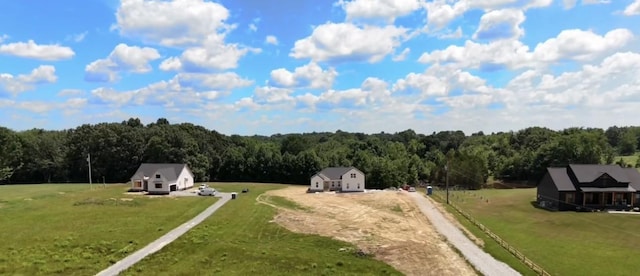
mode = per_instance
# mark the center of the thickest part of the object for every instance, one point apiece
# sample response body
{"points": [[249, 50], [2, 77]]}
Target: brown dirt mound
{"points": [[385, 224]]}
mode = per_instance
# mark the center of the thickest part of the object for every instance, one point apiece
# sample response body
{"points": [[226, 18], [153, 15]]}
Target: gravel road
{"points": [[158, 244], [481, 260]]}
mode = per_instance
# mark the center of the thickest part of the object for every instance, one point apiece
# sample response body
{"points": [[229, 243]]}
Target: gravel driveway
{"points": [[481, 260]]}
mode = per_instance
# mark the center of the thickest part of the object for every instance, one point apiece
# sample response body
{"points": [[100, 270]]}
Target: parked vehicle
{"points": [[207, 192], [412, 189], [202, 186]]}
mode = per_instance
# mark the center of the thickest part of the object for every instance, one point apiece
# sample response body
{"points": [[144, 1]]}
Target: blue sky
{"points": [[265, 67]]}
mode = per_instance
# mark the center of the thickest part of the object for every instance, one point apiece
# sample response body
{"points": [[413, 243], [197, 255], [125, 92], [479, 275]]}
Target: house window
{"points": [[158, 185], [353, 175], [358, 185], [347, 186], [316, 184], [569, 198], [157, 176]]}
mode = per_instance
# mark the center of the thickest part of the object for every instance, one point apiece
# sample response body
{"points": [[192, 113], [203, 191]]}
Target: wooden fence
{"points": [[526, 261]]}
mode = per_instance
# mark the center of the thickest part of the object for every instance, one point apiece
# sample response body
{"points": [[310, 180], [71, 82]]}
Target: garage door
{"points": [[173, 188]]}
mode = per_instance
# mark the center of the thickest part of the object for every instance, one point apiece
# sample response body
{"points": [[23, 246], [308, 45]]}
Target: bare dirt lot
{"points": [[386, 224]]}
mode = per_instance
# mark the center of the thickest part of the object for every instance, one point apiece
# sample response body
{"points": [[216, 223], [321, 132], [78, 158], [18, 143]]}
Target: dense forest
{"points": [[117, 149]]}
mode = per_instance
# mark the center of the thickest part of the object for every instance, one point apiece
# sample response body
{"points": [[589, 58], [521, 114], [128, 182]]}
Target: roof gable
{"points": [[170, 171], [587, 173], [334, 173], [560, 178], [634, 177]]}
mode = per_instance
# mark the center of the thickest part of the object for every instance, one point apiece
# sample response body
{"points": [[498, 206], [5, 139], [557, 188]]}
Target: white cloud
{"points": [[271, 40], [345, 41], [442, 12], [310, 75], [3, 38], [123, 58], [183, 89], [633, 8], [578, 45], [171, 23], [388, 10], [21, 83], [253, 27], [72, 104], [32, 50], [70, 92], [267, 94], [77, 37], [213, 55], [222, 81], [448, 34], [402, 56], [500, 24]]}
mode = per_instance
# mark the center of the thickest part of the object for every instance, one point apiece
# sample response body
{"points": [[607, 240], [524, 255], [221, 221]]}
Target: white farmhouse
{"points": [[342, 179], [162, 178]]}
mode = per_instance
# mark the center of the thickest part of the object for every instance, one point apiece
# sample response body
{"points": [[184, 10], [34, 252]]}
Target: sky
{"points": [[289, 66]]}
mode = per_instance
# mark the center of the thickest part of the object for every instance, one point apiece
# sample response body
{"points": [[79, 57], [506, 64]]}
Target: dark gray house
{"points": [[589, 187]]}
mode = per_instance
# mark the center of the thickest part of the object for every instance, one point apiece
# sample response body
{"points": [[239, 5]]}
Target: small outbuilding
{"points": [[342, 179], [162, 178]]}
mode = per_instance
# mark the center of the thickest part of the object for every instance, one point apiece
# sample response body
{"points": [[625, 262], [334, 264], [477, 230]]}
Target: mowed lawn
{"points": [[563, 243], [69, 229], [240, 239]]}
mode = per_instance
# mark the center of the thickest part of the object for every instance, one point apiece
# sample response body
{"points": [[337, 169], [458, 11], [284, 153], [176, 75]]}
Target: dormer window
{"points": [[157, 176]]}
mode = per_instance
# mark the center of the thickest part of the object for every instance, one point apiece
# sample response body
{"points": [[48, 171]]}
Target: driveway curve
{"points": [[158, 244], [482, 261]]}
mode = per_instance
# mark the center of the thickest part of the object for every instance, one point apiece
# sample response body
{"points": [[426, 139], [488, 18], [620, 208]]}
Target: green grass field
{"points": [[240, 239], [628, 159], [563, 243], [69, 229]]}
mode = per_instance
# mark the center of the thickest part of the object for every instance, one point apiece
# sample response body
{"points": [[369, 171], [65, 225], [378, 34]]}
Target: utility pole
{"points": [[446, 179], [104, 184], [89, 161]]}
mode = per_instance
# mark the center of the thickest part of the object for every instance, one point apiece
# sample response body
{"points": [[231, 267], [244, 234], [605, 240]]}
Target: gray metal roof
{"points": [[589, 173], [170, 171], [561, 178], [334, 173], [634, 177]]}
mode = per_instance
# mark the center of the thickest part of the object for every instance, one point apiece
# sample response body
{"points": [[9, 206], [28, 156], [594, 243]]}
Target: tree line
{"points": [[387, 159]]}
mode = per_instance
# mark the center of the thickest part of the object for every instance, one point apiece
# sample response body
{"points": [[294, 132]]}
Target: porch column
{"points": [[602, 202], [613, 198], [584, 198], [632, 198]]}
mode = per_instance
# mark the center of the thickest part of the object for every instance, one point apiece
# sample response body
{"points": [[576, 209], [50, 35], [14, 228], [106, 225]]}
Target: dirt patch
{"points": [[386, 224]]}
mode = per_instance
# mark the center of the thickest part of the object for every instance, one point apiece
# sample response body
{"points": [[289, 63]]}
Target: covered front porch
{"points": [[622, 198]]}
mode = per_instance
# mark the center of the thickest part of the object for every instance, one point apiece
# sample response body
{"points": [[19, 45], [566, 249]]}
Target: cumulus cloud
{"points": [[402, 56], [72, 104], [123, 58], [30, 49], [500, 24], [346, 41], [184, 88], [70, 92], [574, 44], [310, 75], [3, 38], [196, 26], [387, 10], [271, 40], [21, 83], [170, 23], [633, 8], [442, 12]]}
